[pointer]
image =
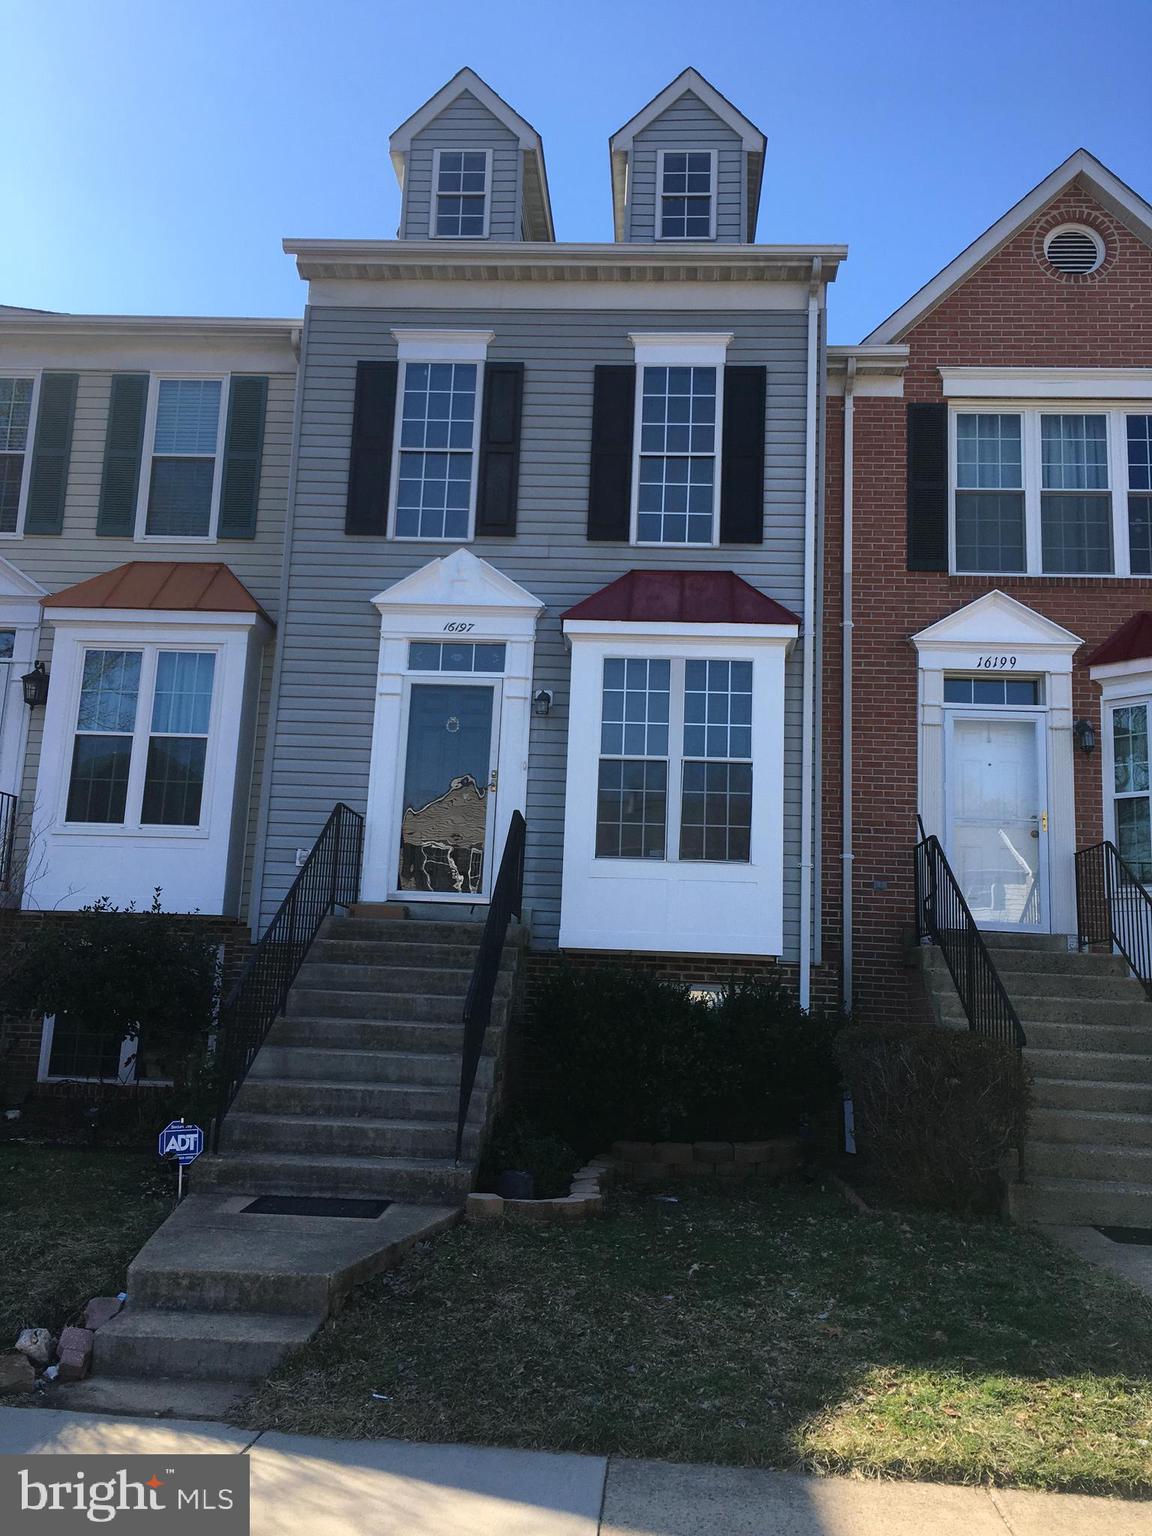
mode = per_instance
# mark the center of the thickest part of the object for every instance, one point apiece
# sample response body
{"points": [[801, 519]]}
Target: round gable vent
{"points": [[1074, 249]]}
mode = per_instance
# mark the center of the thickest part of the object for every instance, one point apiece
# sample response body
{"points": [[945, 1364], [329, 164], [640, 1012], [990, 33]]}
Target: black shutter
{"points": [[51, 452], [370, 470], [123, 447], [610, 476], [742, 472], [499, 449], [243, 450], [928, 487]]}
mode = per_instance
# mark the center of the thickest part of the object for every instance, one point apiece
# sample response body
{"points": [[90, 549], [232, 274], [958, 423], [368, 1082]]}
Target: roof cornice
{"points": [[151, 326], [531, 261]]}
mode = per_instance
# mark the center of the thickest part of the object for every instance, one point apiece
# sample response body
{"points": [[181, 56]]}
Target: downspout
{"points": [[846, 982], [808, 725]]}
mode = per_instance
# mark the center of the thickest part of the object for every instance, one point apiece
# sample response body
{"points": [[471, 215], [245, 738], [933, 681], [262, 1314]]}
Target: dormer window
{"points": [[687, 194], [462, 178]]}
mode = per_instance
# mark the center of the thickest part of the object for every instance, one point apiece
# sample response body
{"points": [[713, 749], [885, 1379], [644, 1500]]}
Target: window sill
{"points": [[114, 829]]}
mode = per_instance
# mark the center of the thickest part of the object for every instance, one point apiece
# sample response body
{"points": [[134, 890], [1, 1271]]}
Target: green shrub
{"points": [[150, 977], [615, 1053], [516, 1143], [937, 1111]]}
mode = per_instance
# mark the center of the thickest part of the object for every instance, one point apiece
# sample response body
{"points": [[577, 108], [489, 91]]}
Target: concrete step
{"points": [[451, 981], [317, 1097], [440, 1069], [1118, 1039], [1019, 962], [1043, 1009], [396, 952], [418, 1035], [1082, 1202], [212, 1346], [1047, 943], [1111, 1128], [1088, 1160], [333, 1003], [1134, 1098], [149, 1397], [302, 1133], [1109, 1066], [1074, 987], [404, 930], [287, 1173]]}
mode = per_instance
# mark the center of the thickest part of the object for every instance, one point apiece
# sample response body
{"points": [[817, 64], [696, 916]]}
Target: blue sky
{"points": [[157, 151]]}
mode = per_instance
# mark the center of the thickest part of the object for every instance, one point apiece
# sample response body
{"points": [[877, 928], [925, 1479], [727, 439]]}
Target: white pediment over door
{"points": [[459, 582], [990, 631], [14, 583]]}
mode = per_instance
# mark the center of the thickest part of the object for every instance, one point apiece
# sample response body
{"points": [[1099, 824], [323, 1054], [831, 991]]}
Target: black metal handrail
{"points": [[7, 838], [1112, 907], [943, 916], [505, 904], [328, 878]]}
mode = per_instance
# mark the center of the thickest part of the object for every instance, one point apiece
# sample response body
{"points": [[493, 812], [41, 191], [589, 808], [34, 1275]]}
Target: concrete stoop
{"points": [[1088, 1157], [354, 1093]]}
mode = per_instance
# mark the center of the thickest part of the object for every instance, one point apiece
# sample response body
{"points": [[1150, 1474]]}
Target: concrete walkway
{"points": [[1131, 1261], [385, 1487]]}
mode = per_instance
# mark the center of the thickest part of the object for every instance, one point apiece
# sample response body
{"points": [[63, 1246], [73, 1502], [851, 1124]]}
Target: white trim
{"points": [[611, 629], [197, 867], [434, 211], [35, 375], [1032, 480], [667, 349], [1119, 199], [19, 611], [430, 346], [429, 350], [453, 589], [464, 80], [126, 1074], [690, 80], [713, 188], [675, 906], [1102, 384], [1124, 685], [148, 456]]}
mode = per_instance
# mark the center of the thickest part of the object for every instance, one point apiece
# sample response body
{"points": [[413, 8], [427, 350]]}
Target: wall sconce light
{"points": [[542, 701], [35, 685], [1085, 733]]}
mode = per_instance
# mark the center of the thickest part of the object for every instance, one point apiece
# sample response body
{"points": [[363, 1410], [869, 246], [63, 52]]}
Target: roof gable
{"points": [[458, 580], [690, 80], [1114, 196], [995, 619]]}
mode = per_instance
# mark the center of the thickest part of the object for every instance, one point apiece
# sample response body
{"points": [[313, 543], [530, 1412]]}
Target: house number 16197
{"points": [[995, 663], [458, 627]]}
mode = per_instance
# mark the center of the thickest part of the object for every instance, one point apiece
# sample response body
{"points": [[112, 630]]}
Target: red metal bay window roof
{"points": [[176, 586], [682, 597], [1131, 642]]}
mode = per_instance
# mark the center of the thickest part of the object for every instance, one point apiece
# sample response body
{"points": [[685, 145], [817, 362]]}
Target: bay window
{"points": [[1040, 491], [140, 743], [1130, 788]]}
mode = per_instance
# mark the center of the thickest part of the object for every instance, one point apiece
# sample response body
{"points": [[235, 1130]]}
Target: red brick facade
{"points": [[1014, 311]]}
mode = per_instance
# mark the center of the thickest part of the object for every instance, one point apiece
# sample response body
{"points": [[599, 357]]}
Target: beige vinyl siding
{"points": [[464, 124], [324, 724], [687, 124], [77, 553]]}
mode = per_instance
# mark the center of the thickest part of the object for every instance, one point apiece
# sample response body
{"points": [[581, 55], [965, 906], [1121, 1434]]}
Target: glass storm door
{"points": [[996, 842], [449, 783]]}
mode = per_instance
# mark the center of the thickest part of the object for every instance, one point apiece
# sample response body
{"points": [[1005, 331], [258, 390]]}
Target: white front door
{"points": [[997, 823]]}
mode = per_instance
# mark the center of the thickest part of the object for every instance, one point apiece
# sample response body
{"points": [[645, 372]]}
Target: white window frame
{"points": [[142, 536], [1108, 707], [26, 476], [1030, 414], [435, 200], [126, 1070], [683, 350], [660, 193], [142, 734], [437, 347]]}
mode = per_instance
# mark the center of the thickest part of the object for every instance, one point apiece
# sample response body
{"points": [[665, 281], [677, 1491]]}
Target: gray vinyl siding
{"points": [[331, 636], [687, 124], [464, 124], [78, 553]]}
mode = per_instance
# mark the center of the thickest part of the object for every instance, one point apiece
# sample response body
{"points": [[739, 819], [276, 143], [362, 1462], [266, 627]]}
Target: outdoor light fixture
{"points": [[35, 685], [542, 702], [1085, 733]]}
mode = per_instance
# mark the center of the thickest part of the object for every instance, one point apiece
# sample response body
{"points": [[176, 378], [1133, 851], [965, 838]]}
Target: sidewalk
{"points": [[391, 1488]]}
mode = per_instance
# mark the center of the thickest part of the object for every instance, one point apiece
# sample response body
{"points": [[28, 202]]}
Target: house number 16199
{"points": [[995, 663]]}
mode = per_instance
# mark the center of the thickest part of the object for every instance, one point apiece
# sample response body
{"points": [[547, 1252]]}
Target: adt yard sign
{"points": [[181, 1143]]}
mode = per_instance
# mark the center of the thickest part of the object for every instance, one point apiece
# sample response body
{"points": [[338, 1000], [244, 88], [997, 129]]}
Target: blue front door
{"points": [[448, 773]]}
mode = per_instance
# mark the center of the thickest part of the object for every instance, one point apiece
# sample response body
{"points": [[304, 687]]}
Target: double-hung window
{"points": [[140, 744], [463, 181], [15, 435], [677, 438], [180, 486], [687, 194], [1050, 491], [1131, 788], [675, 768], [437, 433]]}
